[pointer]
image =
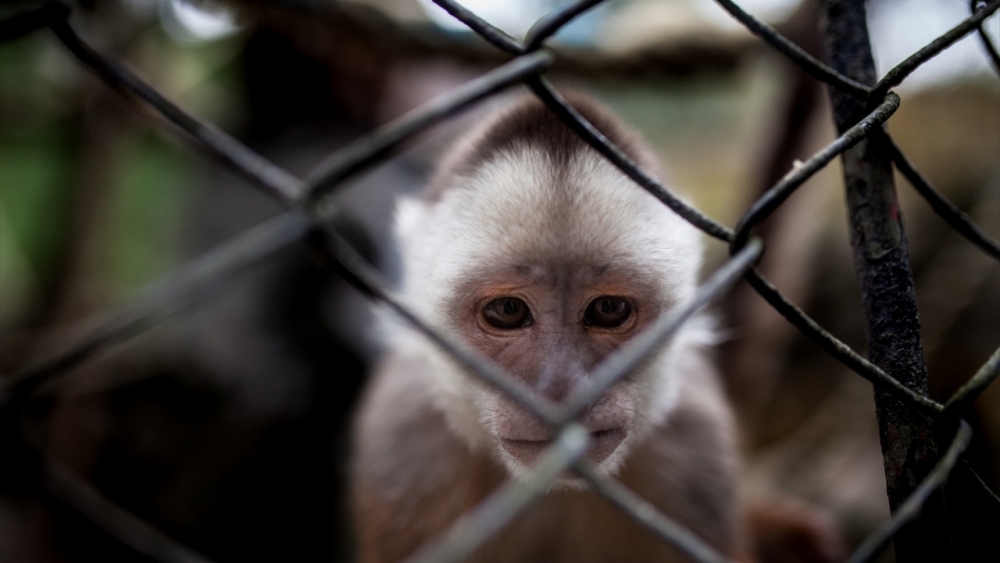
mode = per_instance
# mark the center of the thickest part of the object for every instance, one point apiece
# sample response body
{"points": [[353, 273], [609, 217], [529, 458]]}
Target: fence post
{"points": [[882, 265]]}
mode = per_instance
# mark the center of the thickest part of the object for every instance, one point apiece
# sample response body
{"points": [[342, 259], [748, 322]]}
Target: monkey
{"points": [[530, 248]]}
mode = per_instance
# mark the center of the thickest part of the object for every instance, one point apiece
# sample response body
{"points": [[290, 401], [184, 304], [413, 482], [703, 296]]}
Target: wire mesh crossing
{"points": [[306, 219]]}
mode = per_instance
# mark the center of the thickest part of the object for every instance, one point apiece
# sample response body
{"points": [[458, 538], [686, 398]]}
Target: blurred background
{"points": [[226, 426]]}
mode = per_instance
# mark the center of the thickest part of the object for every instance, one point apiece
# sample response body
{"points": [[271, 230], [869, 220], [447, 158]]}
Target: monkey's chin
{"points": [[569, 481]]}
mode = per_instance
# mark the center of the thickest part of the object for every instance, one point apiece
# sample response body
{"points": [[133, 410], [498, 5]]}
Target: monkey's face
{"points": [[546, 265], [549, 324]]}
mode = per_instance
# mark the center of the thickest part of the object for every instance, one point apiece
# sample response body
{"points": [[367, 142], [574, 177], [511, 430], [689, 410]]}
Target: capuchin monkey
{"points": [[533, 250]]}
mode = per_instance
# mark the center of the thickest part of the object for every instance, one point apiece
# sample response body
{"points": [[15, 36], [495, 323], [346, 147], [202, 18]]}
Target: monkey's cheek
{"points": [[603, 443]]}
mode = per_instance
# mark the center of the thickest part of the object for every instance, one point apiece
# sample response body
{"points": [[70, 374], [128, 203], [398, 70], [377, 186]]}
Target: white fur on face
{"points": [[518, 204], [511, 205]]}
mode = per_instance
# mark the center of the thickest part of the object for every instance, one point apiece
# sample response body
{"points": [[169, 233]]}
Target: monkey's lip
{"points": [[602, 444]]}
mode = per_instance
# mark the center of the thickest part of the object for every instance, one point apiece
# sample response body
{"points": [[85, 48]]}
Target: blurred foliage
{"points": [[47, 101], [147, 214], [34, 184], [36, 154]]}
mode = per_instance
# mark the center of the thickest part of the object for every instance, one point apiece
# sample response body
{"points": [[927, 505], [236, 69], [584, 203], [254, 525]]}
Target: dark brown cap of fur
{"points": [[528, 122]]}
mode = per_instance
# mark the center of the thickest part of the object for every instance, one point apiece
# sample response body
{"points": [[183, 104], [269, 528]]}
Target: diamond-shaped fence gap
{"points": [[947, 210], [776, 195]]}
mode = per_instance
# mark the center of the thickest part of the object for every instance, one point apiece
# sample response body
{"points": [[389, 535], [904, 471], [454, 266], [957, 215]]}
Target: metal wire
{"points": [[807, 62], [494, 35], [578, 123], [370, 148], [497, 510], [987, 374], [984, 38], [623, 361], [63, 484], [838, 349], [273, 180], [195, 281], [879, 539], [774, 197], [32, 20], [555, 20], [898, 73], [940, 204], [308, 221], [645, 514]]}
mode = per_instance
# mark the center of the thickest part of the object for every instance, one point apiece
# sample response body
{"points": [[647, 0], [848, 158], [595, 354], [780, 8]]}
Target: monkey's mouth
{"points": [[602, 444]]}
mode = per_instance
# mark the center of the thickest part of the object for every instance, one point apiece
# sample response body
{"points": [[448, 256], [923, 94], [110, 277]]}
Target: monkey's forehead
{"points": [[521, 208], [530, 199]]}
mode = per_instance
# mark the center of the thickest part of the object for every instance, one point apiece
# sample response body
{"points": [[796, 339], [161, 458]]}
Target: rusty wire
{"points": [[308, 221]]}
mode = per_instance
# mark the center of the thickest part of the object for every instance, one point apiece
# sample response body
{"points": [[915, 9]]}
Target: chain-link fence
{"points": [[861, 106]]}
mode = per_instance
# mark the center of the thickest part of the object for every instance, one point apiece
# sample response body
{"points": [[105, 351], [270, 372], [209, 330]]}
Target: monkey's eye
{"points": [[507, 313], [607, 311]]}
